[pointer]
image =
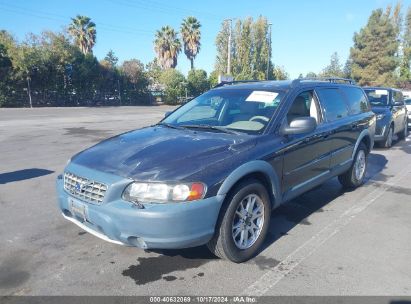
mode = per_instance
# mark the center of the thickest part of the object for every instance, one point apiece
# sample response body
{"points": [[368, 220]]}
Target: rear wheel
{"points": [[355, 176], [243, 222]]}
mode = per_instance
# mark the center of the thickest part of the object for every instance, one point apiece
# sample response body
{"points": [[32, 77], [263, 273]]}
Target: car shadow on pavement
{"points": [[297, 211], [161, 267], [24, 174]]}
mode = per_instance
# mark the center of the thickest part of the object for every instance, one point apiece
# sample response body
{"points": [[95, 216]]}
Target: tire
{"points": [[404, 133], [226, 242], [353, 178], [388, 140]]}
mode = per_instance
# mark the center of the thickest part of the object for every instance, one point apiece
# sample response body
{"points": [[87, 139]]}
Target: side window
{"points": [[305, 104], [397, 97], [357, 101], [333, 103]]}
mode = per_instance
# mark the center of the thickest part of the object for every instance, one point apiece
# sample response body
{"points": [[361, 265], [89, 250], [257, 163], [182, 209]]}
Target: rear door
{"points": [[340, 123], [359, 111]]}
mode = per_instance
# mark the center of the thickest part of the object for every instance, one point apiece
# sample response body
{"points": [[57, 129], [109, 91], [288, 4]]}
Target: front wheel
{"points": [[243, 222], [404, 134], [388, 140], [355, 176]]}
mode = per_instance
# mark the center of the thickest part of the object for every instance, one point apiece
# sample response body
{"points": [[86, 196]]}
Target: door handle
{"points": [[326, 135]]}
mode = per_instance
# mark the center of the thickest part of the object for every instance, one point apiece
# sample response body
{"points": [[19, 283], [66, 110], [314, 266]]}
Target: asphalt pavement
{"points": [[325, 242]]}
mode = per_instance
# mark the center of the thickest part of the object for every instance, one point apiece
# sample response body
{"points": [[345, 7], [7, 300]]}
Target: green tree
{"points": [[334, 69], [261, 49], [51, 71], [173, 83], [83, 30], [250, 49], [405, 72], [221, 43], [279, 73], [347, 70], [311, 75], [136, 82], [213, 78], [5, 68], [167, 47], [374, 54], [133, 70], [242, 50], [153, 71], [111, 58], [191, 35], [197, 82], [5, 62]]}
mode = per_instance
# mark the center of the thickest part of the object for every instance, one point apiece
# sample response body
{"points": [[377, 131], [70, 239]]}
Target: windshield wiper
{"points": [[210, 127], [165, 124]]}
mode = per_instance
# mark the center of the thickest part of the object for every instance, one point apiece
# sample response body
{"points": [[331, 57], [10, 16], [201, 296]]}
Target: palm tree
{"points": [[83, 32], [167, 46], [190, 32]]}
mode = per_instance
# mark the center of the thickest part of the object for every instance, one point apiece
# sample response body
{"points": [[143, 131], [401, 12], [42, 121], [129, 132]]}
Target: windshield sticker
{"points": [[381, 92], [262, 96]]}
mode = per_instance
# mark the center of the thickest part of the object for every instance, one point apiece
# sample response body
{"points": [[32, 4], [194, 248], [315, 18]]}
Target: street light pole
{"points": [[29, 91], [119, 92], [269, 51], [229, 46]]}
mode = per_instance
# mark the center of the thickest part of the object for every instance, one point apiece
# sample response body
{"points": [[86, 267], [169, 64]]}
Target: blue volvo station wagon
{"points": [[212, 171]]}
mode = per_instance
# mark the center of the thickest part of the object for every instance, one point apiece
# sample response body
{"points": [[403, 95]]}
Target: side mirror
{"points": [[299, 125], [166, 114]]}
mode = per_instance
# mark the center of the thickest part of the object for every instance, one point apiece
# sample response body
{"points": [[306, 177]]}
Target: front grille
{"points": [[84, 189]]}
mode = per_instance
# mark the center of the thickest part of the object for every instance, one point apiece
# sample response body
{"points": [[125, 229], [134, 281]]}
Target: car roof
{"points": [[380, 88], [279, 84]]}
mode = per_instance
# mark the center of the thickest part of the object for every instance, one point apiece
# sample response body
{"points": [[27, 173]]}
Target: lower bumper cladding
{"points": [[157, 226]]}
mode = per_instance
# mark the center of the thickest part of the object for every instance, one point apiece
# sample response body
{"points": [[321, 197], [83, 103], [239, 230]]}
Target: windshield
{"points": [[408, 102], [242, 110], [377, 97]]}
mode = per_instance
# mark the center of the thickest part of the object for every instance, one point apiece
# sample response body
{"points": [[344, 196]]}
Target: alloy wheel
{"points": [[248, 221]]}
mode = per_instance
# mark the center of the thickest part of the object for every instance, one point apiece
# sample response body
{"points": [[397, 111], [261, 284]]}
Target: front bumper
{"points": [[157, 226]]}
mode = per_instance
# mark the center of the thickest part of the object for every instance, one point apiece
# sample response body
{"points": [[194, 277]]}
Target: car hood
{"points": [[162, 154]]}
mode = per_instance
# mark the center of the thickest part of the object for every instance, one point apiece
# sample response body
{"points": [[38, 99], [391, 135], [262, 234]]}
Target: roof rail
{"points": [[224, 83], [327, 79]]}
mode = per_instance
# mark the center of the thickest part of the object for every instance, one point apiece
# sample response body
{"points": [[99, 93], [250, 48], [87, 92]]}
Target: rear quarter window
{"points": [[333, 103], [356, 99]]}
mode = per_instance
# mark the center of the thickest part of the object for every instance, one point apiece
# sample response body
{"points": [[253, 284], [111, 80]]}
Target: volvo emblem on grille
{"points": [[80, 188]]}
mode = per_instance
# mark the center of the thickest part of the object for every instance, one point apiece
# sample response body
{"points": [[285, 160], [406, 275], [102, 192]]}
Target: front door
{"points": [[306, 156]]}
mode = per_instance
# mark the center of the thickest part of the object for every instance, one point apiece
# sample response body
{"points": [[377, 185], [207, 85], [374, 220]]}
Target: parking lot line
{"points": [[272, 277]]}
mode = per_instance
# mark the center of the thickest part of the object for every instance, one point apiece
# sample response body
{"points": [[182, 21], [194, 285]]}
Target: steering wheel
{"points": [[262, 119]]}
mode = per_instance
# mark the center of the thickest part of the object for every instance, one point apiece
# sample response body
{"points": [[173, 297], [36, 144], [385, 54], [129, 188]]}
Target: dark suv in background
{"points": [[212, 171], [392, 118]]}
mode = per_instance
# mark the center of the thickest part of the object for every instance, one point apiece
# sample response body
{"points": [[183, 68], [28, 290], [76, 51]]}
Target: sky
{"points": [[304, 33]]}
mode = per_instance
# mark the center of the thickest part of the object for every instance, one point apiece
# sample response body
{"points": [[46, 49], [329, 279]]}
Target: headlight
{"points": [[161, 193], [380, 116]]}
